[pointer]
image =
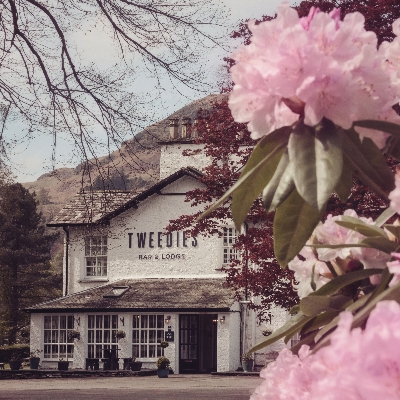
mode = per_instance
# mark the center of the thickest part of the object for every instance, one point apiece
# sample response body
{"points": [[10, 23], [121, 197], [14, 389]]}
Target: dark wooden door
{"points": [[188, 344]]}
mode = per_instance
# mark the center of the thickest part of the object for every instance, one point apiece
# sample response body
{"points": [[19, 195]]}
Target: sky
{"points": [[32, 158]]}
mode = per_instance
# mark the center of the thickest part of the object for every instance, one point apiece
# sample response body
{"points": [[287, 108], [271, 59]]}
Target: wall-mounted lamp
{"points": [[78, 321], [167, 319], [122, 321], [269, 318], [222, 319], [215, 320]]}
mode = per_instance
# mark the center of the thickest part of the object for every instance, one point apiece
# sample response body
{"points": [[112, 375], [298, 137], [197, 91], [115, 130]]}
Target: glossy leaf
{"points": [[257, 173], [343, 187], [362, 159], [317, 162], [388, 213], [312, 305], [280, 186], [357, 225], [291, 327], [393, 229], [381, 244], [394, 148], [384, 126], [294, 222], [341, 281]]}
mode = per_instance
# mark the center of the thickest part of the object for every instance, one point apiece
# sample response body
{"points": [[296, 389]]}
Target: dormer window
{"points": [[96, 255]]}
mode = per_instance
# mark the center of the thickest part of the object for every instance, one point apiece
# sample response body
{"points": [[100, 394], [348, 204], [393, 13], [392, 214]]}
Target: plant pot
{"points": [[34, 362], [135, 365], [163, 373], [15, 365], [63, 365], [248, 365]]}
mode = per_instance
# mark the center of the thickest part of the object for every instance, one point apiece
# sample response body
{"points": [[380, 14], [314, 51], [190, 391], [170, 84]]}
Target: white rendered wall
{"points": [[199, 258]]}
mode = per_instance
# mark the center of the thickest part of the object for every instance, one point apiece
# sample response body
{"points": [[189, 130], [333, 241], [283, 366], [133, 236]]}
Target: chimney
{"points": [[173, 128], [186, 128], [195, 132]]}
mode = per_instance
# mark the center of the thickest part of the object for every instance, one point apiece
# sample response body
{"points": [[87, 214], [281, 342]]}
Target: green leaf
{"points": [[331, 325], [291, 327], [317, 162], [357, 225], [384, 126], [259, 168], [394, 148], [363, 159], [388, 213], [294, 222], [339, 282], [280, 186], [312, 305], [343, 187], [394, 230], [257, 173], [381, 244], [320, 320], [392, 293]]}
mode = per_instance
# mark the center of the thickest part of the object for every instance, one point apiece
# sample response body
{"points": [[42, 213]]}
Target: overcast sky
{"points": [[33, 157]]}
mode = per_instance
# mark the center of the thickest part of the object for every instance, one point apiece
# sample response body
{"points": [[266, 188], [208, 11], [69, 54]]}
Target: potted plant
{"points": [[15, 361], [63, 365], [120, 334], [164, 344], [74, 334], [34, 359], [247, 362], [135, 365], [162, 367]]}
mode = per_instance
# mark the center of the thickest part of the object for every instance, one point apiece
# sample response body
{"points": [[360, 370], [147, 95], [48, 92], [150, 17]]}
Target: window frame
{"points": [[52, 336], [91, 253], [98, 346], [229, 246], [153, 348]]}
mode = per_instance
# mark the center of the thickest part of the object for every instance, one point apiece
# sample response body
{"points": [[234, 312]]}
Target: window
{"points": [[96, 255], [56, 342], [228, 240], [101, 335], [295, 339], [147, 333]]}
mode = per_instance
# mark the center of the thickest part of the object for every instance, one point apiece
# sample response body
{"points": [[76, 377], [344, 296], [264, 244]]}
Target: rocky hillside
{"points": [[134, 166]]}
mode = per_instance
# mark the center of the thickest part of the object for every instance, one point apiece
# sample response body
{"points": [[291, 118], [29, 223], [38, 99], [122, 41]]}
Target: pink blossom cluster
{"points": [[313, 267], [356, 365], [318, 66], [309, 271]]}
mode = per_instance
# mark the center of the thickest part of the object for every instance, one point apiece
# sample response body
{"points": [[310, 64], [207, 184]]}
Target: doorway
{"points": [[197, 343]]}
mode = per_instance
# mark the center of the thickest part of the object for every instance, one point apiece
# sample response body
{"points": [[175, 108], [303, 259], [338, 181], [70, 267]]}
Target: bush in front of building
{"points": [[19, 350]]}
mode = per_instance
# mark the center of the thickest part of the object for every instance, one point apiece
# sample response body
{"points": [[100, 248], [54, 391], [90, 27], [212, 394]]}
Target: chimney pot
{"points": [[173, 128], [186, 127]]}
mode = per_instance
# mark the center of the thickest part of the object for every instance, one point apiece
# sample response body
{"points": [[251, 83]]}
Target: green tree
{"points": [[26, 275]]}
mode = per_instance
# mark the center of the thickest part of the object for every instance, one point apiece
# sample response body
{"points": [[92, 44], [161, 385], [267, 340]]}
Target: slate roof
{"points": [[148, 294], [96, 207]]}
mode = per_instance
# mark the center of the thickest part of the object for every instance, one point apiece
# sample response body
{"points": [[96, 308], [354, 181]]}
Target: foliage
{"points": [[74, 334], [247, 357], [35, 353], [256, 273], [26, 277], [120, 334], [7, 351], [162, 363], [164, 344]]}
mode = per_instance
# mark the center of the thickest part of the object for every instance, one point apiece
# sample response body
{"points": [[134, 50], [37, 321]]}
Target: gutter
{"points": [[66, 258]]}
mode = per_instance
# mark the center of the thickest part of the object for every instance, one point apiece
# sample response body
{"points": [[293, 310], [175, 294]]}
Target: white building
{"points": [[122, 272]]}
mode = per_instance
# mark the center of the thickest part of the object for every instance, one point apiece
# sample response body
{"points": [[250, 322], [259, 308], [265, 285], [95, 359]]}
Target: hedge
{"points": [[7, 351]]}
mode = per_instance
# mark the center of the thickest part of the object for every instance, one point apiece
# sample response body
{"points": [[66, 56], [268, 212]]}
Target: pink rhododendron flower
{"points": [[357, 365], [394, 196], [394, 268], [318, 67], [308, 271]]}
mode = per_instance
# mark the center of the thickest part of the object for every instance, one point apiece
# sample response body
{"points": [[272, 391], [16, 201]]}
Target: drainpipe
{"points": [[66, 258]]}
